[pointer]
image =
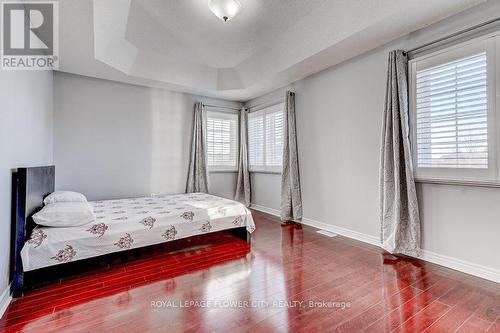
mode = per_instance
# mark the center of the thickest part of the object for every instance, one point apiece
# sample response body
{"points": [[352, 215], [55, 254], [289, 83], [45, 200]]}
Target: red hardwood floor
{"points": [[292, 280]]}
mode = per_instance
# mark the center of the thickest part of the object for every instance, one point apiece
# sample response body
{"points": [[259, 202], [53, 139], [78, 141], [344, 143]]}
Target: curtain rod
{"points": [[221, 107], [458, 34]]}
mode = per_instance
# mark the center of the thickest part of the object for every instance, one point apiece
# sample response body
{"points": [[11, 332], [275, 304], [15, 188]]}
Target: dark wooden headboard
{"points": [[29, 187]]}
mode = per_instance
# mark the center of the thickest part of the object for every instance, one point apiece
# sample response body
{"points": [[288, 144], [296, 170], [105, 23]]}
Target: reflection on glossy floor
{"points": [[293, 280]]}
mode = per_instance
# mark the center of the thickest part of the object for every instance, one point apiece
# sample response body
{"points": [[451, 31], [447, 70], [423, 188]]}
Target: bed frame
{"points": [[29, 187]]}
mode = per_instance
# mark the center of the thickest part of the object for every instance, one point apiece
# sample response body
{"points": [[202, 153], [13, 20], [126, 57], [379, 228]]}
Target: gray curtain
{"points": [[291, 200], [197, 180], [243, 182], [399, 217]]}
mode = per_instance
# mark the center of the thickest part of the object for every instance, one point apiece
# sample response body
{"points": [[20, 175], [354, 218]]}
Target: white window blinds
{"points": [[265, 139], [256, 141], [451, 102], [222, 141]]}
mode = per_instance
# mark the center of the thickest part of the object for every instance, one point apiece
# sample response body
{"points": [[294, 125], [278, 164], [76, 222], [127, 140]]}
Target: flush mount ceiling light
{"points": [[225, 9]]}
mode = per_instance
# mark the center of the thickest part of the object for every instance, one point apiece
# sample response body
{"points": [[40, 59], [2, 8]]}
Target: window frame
{"points": [[467, 176], [270, 109], [227, 116]]}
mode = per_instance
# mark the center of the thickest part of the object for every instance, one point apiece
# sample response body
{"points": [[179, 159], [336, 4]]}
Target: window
{"points": [[265, 139], [453, 114], [222, 141]]}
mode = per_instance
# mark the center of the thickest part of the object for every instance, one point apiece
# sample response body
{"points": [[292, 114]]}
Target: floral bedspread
{"points": [[132, 223]]}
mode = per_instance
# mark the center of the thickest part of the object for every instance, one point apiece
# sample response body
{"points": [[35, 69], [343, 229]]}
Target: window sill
{"points": [[222, 171], [266, 172], [455, 182]]}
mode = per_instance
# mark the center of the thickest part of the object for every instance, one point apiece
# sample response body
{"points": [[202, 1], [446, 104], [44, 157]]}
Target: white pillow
{"points": [[64, 196], [65, 214]]}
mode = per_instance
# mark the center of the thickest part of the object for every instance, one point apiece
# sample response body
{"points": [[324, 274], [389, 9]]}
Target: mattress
{"points": [[132, 223]]}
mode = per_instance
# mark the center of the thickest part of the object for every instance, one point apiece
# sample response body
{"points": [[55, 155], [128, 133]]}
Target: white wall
{"points": [[266, 189], [223, 184], [339, 118], [25, 140], [114, 140]]}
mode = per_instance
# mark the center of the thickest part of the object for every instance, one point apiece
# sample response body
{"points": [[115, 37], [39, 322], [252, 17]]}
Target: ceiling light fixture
{"points": [[225, 9]]}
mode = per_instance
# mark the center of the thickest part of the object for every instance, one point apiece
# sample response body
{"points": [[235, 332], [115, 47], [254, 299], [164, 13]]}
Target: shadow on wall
{"points": [[171, 139], [115, 140]]}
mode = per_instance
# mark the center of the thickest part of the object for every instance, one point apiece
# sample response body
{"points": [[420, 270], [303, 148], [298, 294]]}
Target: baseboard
{"points": [[328, 227], [268, 210], [468, 267], [5, 300], [343, 231]]}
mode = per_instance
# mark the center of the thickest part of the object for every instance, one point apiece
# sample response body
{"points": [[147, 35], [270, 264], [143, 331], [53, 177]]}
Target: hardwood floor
{"points": [[292, 280]]}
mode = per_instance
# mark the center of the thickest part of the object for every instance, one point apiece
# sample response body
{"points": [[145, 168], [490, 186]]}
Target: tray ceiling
{"points": [[181, 45]]}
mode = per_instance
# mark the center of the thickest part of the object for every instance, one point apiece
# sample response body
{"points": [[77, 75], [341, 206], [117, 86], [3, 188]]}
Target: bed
{"points": [[120, 224]]}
